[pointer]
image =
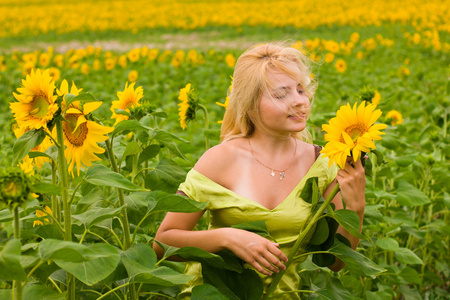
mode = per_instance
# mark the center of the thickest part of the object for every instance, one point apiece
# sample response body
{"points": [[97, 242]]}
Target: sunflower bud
{"points": [[14, 187]]}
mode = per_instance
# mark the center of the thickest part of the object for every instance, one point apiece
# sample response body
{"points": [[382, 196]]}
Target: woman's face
{"points": [[284, 107]]}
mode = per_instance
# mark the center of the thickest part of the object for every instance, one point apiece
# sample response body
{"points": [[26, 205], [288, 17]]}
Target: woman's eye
{"points": [[280, 96], [301, 91]]}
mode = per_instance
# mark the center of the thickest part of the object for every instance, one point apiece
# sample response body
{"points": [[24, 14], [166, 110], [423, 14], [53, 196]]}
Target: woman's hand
{"points": [[352, 183], [259, 252]]}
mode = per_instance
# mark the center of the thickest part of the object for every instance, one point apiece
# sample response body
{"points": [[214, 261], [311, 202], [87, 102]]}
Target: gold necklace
{"points": [[272, 173]]}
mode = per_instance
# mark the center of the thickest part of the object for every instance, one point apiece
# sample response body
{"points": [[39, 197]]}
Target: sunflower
{"points": [[227, 100], [80, 134], [351, 132], [340, 65], [128, 98], [395, 117], [133, 76], [36, 104], [188, 105]]}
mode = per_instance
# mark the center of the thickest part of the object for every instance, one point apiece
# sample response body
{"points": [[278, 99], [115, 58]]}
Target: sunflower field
{"points": [[106, 105]]}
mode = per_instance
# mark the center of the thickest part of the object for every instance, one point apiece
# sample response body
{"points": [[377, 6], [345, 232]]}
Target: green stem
{"points": [[300, 241], [56, 207], [17, 283], [205, 111], [113, 290], [139, 225], [123, 215], [62, 168]]}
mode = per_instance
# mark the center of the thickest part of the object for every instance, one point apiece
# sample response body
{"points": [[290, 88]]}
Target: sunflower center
{"points": [[39, 106], [78, 136], [355, 131]]}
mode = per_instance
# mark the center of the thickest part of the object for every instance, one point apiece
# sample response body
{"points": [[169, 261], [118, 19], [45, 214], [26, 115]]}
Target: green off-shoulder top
{"points": [[284, 222]]}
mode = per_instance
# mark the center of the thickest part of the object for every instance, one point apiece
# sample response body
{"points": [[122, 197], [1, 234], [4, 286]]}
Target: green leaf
{"points": [[159, 114], [34, 154], [410, 293], [142, 254], [23, 145], [37, 291], [200, 255], [356, 262], [168, 140], [62, 250], [103, 260], [206, 292], [409, 195], [162, 276], [409, 275], [334, 291], [50, 231], [258, 227], [321, 233], [132, 148], [10, 268], [406, 256], [103, 176], [162, 201], [388, 244], [122, 112], [46, 188], [307, 192], [404, 161], [96, 215], [166, 176], [148, 153], [82, 97], [247, 285], [380, 157], [349, 219], [129, 125]]}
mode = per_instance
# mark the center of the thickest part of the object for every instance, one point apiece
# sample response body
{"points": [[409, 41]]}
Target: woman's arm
{"points": [[262, 254], [352, 183]]}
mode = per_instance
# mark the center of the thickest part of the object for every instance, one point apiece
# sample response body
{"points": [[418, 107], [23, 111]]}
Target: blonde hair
{"points": [[250, 80]]}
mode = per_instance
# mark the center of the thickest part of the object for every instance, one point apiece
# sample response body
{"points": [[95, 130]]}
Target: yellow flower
{"points": [[403, 72], [80, 134], [134, 55], [351, 132], [395, 117], [153, 54], [27, 165], [340, 65], [28, 67], [110, 64], [59, 60], [359, 55], [332, 46], [133, 76], [123, 61], [354, 38], [188, 105], [230, 60], [44, 59], [85, 68], [55, 73], [376, 99], [42, 213], [128, 98], [96, 65], [36, 98], [329, 57]]}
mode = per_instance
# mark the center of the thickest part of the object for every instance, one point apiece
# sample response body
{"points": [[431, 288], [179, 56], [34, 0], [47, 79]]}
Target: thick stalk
{"points": [[123, 215], [17, 283], [300, 241], [62, 168]]}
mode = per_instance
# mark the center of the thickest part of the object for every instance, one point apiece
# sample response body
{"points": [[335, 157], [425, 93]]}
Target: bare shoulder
{"points": [[215, 162], [308, 150]]}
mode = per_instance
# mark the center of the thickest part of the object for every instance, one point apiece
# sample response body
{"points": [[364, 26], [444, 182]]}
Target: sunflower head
{"points": [[395, 117], [42, 213], [370, 95], [36, 100], [352, 132], [14, 187], [128, 99], [188, 105]]}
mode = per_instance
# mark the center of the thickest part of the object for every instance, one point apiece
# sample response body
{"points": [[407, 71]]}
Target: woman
{"points": [[260, 168]]}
